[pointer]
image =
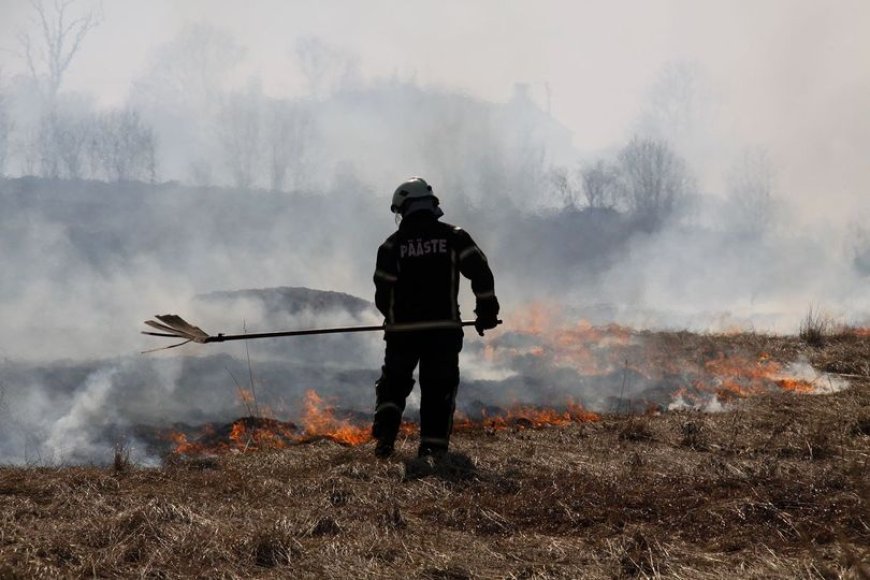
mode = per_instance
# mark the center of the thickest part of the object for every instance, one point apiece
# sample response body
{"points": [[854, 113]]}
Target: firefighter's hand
{"points": [[483, 323]]}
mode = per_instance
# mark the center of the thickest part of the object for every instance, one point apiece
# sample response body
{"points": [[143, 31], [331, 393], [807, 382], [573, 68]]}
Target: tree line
{"points": [[248, 140]]}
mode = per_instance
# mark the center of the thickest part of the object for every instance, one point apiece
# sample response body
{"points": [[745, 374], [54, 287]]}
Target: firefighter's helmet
{"points": [[413, 189]]}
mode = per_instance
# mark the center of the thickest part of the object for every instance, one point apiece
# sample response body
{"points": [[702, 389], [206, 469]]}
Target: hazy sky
{"points": [[792, 76]]}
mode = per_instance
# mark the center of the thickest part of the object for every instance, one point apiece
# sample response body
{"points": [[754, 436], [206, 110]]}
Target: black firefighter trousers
{"points": [[437, 352]]}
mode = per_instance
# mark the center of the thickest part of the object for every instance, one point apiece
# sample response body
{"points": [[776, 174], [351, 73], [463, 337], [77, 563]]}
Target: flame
{"points": [[796, 386], [526, 416], [668, 370], [183, 446], [319, 421], [589, 349], [237, 433], [696, 372], [266, 433], [737, 377], [536, 319]]}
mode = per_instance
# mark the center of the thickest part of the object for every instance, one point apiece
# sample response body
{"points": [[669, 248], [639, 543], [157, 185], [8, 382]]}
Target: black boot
{"points": [[431, 451], [384, 449], [385, 433]]}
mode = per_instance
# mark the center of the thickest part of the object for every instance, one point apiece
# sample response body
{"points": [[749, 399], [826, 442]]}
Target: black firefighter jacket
{"points": [[418, 267]]}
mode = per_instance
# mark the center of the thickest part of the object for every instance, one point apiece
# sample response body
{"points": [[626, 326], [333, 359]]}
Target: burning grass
{"points": [[320, 421], [776, 487], [665, 371]]}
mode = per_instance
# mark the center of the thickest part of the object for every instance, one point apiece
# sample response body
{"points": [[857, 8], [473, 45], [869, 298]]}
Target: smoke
{"points": [[46, 425], [280, 133], [72, 432]]}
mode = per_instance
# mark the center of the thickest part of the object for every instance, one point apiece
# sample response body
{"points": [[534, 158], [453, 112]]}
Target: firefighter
{"points": [[417, 280]]}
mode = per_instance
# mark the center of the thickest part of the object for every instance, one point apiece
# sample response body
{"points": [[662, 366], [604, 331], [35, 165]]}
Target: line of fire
{"points": [[627, 372]]}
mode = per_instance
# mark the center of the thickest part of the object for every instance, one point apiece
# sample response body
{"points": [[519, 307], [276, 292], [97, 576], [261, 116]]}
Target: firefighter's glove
{"points": [[482, 324], [487, 315]]}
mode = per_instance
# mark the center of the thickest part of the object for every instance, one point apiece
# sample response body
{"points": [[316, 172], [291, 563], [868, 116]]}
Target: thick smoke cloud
{"points": [[277, 172]]}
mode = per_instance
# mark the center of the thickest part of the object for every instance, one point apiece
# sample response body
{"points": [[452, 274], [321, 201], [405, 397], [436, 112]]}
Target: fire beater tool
{"points": [[173, 326]]}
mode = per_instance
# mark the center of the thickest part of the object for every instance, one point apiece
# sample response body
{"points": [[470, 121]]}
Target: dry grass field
{"points": [[776, 486]]}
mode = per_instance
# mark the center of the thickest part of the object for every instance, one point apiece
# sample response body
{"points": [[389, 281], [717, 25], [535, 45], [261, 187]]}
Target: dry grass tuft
{"points": [[815, 327], [275, 546], [694, 436], [861, 426], [455, 467], [451, 572], [121, 459], [192, 463], [636, 429], [640, 557], [392, 518], [325, 526]]}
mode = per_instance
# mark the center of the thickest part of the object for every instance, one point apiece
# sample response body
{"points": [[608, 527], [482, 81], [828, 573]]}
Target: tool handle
{"points": [[402, 327]]}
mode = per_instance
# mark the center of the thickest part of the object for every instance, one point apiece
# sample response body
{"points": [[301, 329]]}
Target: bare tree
{"points": [[289, 139], [200, 173], [122, 147], [180, 96], [325, 67], [560, 182], [859, 247], [239, 128], [750, 183], [678, 103], [61, 32], [189, 71], [46, 146], [70, 134], [5, 129], [28, 146], [59, 142], [600, 184], [653, 181]]}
